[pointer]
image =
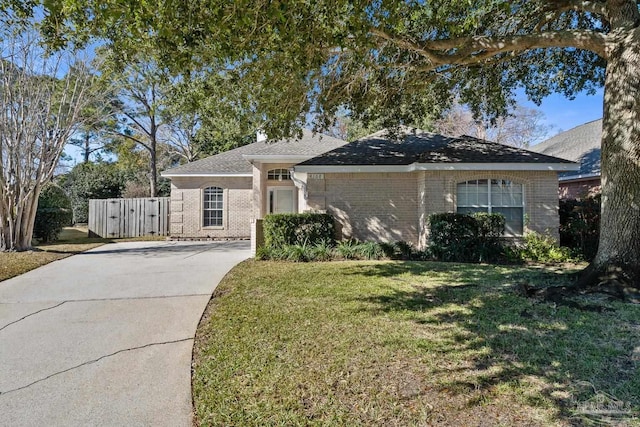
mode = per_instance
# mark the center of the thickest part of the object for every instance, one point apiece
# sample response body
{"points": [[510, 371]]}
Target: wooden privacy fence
{"points": [[113, 218]]}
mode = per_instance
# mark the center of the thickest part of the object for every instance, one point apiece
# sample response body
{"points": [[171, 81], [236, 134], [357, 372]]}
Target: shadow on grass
{"points": [[575, 356]]}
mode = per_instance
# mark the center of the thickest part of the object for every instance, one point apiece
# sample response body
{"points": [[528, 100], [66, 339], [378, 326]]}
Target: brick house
{"points": [[582, 145], [377, 188]]}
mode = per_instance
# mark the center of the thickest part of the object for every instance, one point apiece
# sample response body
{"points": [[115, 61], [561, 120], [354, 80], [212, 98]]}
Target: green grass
{"points": [[72, 240], [410, 343]]}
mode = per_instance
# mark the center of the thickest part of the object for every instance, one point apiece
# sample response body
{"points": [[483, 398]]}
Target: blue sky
{"points": [[563, 114]]}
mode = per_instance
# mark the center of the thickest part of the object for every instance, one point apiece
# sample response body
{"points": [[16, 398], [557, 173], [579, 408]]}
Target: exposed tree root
{"points": [[616, 282]]}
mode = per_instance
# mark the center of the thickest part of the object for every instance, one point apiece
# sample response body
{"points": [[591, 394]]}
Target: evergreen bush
{"points": [[53, 213], [580, 226], [298, 229], [466, 237]]}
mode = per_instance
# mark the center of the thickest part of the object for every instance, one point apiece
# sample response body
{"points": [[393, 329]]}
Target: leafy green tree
{"points": [[206, 114], [91, 181], [402, 59], [53, 214]]}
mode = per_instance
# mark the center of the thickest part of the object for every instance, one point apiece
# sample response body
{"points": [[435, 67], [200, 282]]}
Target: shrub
{"points": [[348, 249], [263, 253], [53, 213], [580, 226], [400, 250], [540, 248], [369, 250], [297, 253], [322, 251], [297, 229], [466, 237], [405, 250], [91, 181]]}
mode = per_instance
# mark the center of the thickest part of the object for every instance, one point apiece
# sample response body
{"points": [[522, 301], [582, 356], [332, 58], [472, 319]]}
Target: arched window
{"points": [[278, 174], [494, 196], [212, 207]]}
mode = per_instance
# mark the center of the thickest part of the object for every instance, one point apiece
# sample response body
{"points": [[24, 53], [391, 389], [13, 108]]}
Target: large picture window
{"points": [[494, 196], [212, 206]]}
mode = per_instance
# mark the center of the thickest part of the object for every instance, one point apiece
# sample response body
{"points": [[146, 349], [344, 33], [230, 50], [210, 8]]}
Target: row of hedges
{"points": [[466, 238], [295, 229], [344, 250], [454, 237]]}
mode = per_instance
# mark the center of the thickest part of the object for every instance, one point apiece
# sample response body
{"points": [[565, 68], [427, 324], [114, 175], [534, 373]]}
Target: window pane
{"points": [[506, 193], [278, 174], [212, 206], [466, 210], [513, 220], [506, 199], [463, 199], [483, 196]]}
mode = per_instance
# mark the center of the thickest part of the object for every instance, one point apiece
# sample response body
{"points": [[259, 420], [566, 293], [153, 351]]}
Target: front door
{"points": [[282, 200]]}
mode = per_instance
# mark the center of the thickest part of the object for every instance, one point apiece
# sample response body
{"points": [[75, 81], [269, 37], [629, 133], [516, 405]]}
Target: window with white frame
{"points": [[279, 175], [494, 196], [212, 206]]}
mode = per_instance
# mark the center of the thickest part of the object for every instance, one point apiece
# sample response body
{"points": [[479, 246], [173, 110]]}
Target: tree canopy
{"points": [[371, 57], [397, 60]]}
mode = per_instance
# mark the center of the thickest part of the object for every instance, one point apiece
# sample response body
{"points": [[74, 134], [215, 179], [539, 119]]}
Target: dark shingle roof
{"points": [[580, 144], [424, 147], [234, 162]]}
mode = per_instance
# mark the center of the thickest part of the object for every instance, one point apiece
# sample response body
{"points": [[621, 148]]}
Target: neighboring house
{"points": [[580, 144], [377, 188]]}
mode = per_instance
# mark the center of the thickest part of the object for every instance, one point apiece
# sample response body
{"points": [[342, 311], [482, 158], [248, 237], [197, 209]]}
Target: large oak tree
{"points": [[404, 59]]}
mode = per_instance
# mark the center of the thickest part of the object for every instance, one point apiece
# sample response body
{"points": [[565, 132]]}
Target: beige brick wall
{"points": [[369, 206], [396, 206], [186, 207]]}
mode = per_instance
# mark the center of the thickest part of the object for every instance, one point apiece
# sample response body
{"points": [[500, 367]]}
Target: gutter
{"points": [[560, 167]]}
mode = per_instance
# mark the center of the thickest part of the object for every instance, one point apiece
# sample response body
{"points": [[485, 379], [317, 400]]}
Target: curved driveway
{"points": [[105, 337]]}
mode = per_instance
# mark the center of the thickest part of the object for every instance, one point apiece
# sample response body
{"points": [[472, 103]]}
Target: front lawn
{"points": [[402, 343]]}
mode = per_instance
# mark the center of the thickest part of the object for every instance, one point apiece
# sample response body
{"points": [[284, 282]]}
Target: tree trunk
{"points": [[17, 227], [87, 147], [617, 263], [153, 169]]}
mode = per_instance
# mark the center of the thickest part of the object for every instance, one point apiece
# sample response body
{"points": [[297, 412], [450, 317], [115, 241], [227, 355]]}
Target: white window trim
{"points": [[490, 206], [224, 209], [279, 172]]}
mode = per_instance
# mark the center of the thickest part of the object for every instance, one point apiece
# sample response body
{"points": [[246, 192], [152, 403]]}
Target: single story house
{"points": [[582, 145], [378, 188]]}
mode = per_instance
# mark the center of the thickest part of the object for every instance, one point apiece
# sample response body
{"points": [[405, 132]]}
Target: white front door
{"points": [[282, 200]]}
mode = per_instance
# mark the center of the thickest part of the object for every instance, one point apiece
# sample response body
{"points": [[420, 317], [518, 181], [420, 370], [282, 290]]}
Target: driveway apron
{"points": [[105, 337]]}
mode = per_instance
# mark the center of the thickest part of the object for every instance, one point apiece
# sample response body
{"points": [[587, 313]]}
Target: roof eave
{"points": [[203, 174], [582, 177], [557, 167], [277, 158]]}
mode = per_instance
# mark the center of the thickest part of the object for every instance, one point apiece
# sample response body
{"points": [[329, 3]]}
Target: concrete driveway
{"points": [[105, 337]]}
